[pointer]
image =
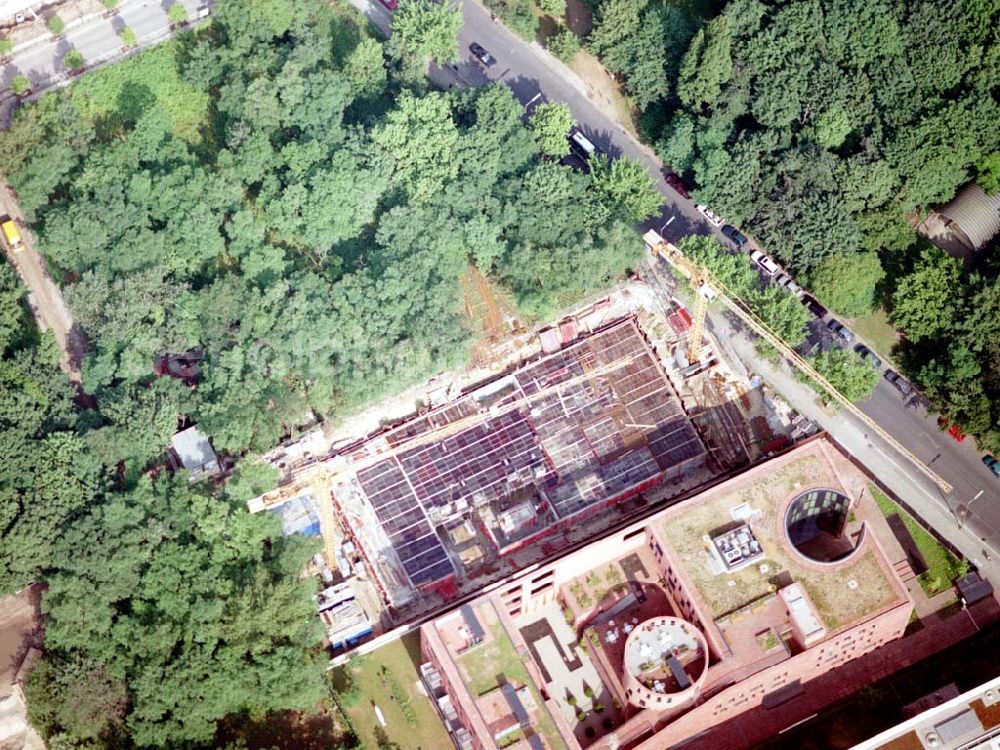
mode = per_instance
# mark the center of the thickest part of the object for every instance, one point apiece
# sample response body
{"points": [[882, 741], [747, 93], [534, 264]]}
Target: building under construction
{"points": [[569, 434]]}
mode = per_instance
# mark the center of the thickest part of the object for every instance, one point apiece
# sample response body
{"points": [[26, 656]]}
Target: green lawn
{"points": [[399, 659], [483, 664], [877, 331], [942, 566], [122, 92]]}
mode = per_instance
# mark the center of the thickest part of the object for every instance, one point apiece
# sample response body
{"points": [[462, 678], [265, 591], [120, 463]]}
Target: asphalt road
{"points": [[975, 499], [96, 38]]}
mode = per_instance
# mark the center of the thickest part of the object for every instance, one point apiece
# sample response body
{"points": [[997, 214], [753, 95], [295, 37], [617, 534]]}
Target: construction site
{"points": [[550, 437]]}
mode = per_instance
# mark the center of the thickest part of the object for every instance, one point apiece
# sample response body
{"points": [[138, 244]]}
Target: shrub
{"points": [[581, 714], [571, 699], [608, 724], [56, 25], [177, 14], [588, 691], [128, 37], [6, 47], [19, 84], [517, 16], [73, 60], [564, 44], [110, 4], [598, 708], [590, 732], [554, 8]]}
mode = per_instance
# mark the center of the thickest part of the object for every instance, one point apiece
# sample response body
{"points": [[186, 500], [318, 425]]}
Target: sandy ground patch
{"points": [[602, 90], [20, 621]]}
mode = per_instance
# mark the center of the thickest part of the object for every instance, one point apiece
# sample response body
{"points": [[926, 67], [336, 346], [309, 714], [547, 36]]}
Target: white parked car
{"points": [[769, 266], [715, 221]]}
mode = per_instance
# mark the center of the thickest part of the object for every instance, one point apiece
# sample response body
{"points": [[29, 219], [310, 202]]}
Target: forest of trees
{"points": [[286, 196], [825, 128]]}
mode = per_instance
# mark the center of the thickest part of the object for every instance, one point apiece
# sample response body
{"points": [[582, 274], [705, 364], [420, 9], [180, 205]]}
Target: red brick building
{"points": [[727, 601]]}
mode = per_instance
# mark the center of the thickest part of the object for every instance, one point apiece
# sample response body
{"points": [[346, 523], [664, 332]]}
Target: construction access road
{"points": [[44, 296]]}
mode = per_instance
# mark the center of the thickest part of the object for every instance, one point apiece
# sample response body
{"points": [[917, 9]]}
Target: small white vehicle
{"points": [[715, 221], [769, 266]]}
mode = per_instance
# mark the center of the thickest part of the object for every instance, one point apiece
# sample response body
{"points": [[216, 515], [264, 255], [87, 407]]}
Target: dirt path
{"points": [[44, 296]]}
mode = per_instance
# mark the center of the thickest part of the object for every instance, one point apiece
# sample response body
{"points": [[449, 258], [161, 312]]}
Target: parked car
{"points": [[678, 184], [581, 145], [992, 464], [898, 382], [814, 307], [769, 266], [783, 279], [734, 234], [868, 356], [390, 4], [840, 330], [480, 52], [953, 429], [705, 211]]}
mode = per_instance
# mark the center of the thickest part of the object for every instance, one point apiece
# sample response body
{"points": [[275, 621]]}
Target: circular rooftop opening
{"points": [[666, 660], [816, 522]]}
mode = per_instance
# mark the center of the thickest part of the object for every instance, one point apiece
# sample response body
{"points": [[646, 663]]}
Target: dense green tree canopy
{"points": [[550, 124], [643, 41], [625, 185], [839, 104], [847, 282], [854, 378], [427, 29]]}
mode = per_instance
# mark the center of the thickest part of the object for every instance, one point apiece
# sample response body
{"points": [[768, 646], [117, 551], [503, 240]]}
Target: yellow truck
{"points": [[10, 234]]}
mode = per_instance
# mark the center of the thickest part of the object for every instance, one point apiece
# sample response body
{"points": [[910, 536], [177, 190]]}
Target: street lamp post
{"points": [[963, 510]]}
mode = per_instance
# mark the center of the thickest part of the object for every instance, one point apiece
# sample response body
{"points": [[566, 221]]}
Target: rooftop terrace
{"points": [[842, 594]]}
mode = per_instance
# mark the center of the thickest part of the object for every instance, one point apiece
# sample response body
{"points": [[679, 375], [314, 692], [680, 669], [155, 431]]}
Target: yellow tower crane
{"points": [[701, 278]]}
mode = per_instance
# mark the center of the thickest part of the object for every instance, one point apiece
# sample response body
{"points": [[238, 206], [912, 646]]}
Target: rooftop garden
{"points": [[838, 601], [484, 665], [592, 588]]}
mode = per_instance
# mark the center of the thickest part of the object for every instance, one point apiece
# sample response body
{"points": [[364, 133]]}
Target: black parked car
{"points": [[839, 330], [482, 55], [814, 307], [899, 383]]}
